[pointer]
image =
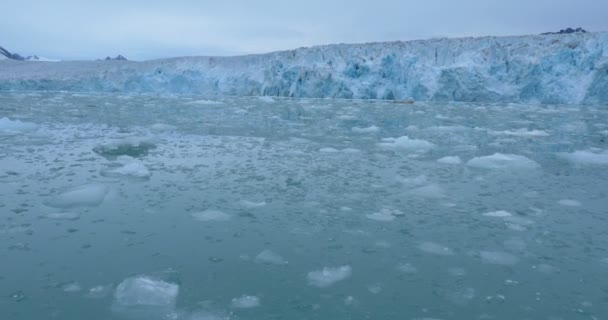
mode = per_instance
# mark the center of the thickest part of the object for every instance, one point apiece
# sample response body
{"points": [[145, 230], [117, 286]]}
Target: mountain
{"points": [[8, 55], [570, 68], [117, 58]]}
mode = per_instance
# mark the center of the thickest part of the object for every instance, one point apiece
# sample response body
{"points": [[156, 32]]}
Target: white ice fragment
{"points": [[328, 150], [88, 195], [428, 191], [63, 216], [145, 291], [328, 276], [499, 257], [498, 214], [407, 144], [71, 287], [98, 292], [587, 157], [450, 160], [569, 203], [12, 127], [134, 170], [385, 214], [370, 129], [132, 146], [245, 302], [266, 99], [269, 257], [251, 204], [211, 215], [434, 248], [407, 268], [522, 133], [503, 161]]}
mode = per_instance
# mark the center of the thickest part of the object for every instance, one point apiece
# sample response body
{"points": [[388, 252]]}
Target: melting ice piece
{"points": [[328, 276], [569, 203], [502, 161], [71, 287], [88, 195], [369, 129], [133, 170], [385, 214], [269, 257], [211, 215], [587, 157], [407, 268], [498, 214], [523, 133], [63, 216], [328, 150], [407, 144], [161, 127], [251, 204], [98, 292], [246, 302], [12, 127], [133, 147], [498, 257], [434, 248], [144, 291], [429, 191], [450, 160]]}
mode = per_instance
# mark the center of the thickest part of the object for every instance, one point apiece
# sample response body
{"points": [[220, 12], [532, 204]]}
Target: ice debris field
{"points": [[118, 206], [549, 69]]}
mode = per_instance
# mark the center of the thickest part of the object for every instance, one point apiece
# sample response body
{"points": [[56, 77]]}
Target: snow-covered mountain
{"points": [[553, 68], [5, 54]]}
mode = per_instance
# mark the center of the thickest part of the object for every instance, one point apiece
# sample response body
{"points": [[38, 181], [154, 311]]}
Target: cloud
{"points": [[139, 29]]}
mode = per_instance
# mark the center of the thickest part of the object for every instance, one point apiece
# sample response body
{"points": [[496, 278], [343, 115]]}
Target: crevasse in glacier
{"points": [[565, 69]]}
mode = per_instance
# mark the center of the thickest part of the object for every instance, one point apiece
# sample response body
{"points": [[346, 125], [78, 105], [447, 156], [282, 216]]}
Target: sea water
{"points": [[182, 207]]}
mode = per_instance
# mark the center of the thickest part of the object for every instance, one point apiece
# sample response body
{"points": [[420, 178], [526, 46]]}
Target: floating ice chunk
{"points": [[370, 129], [349, 300], [350, 150], [457, 272], [375, 288], [414, 181], [502, 161], [385, 214], [9, 126], [246, 302], [450, 160], [407, 144], [328, 276], [251, 204], [498, 214], [266, 99], [498, 257], [205, 102], [434, 248], [88, 195], [329, 150], [407, 268], [71, 287], [145, 291], [587, 157], [569, 203], [545, 268], [269, 257], [522, 133], [12, 127], [63, 216], [211, 215], [98, 292], [133, 147], [133, 170]]}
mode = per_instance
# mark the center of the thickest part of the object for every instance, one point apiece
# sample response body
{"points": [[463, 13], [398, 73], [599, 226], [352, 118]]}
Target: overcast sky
{"points": [[148, 29]]}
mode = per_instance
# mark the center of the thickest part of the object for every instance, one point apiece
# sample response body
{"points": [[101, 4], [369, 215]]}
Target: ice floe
{"points": [[434, 248], [503, 161], [370, 129], [450, 160], [133, 147], [587, 157], [328, 276], [270, 257], [569, 203], [88, 195], [498, 214], [245, 302], [145, 291], [385, 214], [133, 169], [12, 127], [405, 143], [499, 258]]}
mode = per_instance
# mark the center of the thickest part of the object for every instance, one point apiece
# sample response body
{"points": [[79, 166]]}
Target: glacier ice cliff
{"points": [[553, 69]]}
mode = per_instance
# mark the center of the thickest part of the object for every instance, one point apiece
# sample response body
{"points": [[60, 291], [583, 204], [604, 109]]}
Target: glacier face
{"points": [[553, 69]]}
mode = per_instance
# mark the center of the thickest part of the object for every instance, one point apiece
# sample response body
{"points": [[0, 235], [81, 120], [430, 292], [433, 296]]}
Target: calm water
{"points": [[174, 207]]}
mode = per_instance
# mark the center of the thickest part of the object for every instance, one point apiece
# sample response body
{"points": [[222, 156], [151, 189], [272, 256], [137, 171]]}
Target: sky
{"points": [[152, 29]]}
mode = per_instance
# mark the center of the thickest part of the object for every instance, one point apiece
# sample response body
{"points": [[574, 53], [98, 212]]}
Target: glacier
{"points": [[540, 69]]}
